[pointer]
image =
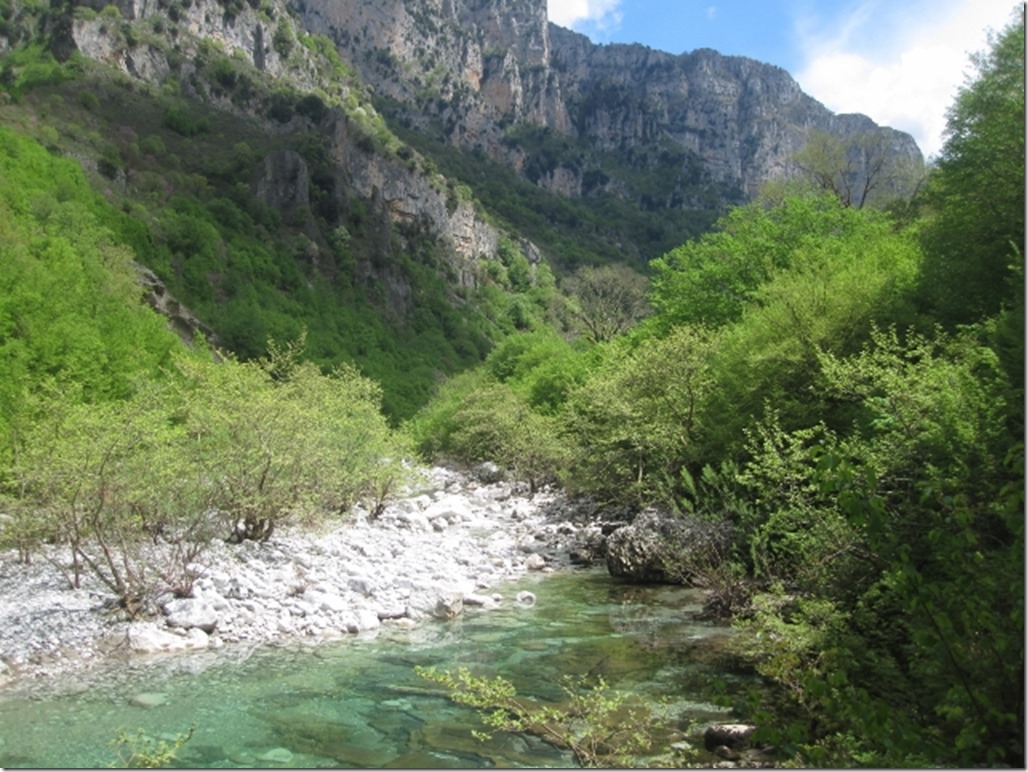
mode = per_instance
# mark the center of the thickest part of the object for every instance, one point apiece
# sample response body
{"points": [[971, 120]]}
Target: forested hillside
{"points": [[841, 391], [267, 204]]}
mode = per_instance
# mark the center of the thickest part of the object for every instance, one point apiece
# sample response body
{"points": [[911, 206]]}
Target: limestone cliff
{"points": [[688, 132], [398, 189], [481, 69]]}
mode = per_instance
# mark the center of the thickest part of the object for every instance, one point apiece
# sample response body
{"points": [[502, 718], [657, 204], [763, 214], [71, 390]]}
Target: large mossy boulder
{"points": [[658, 546]]}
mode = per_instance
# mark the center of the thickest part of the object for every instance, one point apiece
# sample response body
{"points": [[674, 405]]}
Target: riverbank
{"points": [[446, 548]]}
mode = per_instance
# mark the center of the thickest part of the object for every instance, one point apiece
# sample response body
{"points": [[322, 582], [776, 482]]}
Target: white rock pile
{"points": [[449, 545]]}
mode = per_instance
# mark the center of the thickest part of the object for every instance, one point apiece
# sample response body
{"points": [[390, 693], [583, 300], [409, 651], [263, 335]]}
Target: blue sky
{"points": [[898, 61]]}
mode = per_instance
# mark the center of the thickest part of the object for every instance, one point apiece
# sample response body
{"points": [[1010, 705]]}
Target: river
{"points": [[359, 703]]}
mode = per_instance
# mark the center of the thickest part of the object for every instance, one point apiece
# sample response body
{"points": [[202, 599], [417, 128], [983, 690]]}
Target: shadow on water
{"points": [[358, 702]]}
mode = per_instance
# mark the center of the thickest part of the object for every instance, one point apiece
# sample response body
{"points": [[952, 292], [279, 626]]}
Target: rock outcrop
{"points": [[714, 124], [660, 547], [399, 190]]}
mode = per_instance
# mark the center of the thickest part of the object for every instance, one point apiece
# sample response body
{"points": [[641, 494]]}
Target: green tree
{"points": [[608, 299], [635, 420], [835, 288], [712, 279], [283, 441], [928, 622], [112, 482], [974, 240], [494, 424], [860, 170]]}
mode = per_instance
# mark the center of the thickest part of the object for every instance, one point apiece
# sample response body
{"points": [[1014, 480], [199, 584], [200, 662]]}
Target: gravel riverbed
{"points": [[447, 547]]}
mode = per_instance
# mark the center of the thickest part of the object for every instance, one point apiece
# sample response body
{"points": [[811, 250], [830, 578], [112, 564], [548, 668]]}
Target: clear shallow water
{"points": [[359, 703]]}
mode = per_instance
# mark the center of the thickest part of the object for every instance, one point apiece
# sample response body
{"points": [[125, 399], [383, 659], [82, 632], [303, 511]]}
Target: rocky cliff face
{"points": [[402, 196], [690, 132], [475, 64], [481, 68]]}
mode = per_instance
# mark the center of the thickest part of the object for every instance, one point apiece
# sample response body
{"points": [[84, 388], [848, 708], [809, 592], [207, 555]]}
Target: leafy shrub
{"points": [[107, 478], [283, 40], [635, 420], [599, 726], [282, 441], [494, 424]]}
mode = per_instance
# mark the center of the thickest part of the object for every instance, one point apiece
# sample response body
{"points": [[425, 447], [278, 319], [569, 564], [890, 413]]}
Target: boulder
{"points": [[149, 699], [488, 473], [435, 605], [188, 613], [362, 621], [535, 562], [657, 545], [448, 607], [147, 638], [732, 736]]}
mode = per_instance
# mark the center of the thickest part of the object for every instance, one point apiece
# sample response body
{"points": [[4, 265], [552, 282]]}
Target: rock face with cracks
{"points": [[445, 549]]}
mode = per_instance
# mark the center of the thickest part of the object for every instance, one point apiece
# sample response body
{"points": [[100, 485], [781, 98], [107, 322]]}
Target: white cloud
{"points": [[900, 64], [596, 14]]}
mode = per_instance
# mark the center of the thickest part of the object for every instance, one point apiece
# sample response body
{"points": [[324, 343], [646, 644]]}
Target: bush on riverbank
{"points": [[136, 487]]}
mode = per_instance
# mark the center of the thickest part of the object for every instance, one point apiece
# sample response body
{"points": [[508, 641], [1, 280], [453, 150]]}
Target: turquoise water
{"points": [[359, 703]]}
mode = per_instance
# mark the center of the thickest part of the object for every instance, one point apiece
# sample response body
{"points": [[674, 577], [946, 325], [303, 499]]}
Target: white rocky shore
{"points": [[451, 544]]}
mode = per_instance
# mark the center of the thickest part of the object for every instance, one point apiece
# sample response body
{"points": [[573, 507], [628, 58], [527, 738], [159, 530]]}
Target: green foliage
{"points": [[100, 478], [31, 67], [599, 726], [70, 308], [140, 751], [635, 419], [827, 300], [541, 366], [279, 440], [712, 280], [494, 424], [283, 40], [137, 487], [975, 238], [913, 490]]}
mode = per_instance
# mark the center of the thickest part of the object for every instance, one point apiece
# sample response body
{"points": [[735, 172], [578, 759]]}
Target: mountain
{"points": [[406, 181], [696, 131]]}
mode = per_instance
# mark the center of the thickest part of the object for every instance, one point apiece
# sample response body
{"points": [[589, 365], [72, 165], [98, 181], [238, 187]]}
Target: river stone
{"points": [[277, 756], [362, 621], [361, 584], [535, 562], [191, 612], [148, 699], [147, 638], [488, 473], [331, 602], [733, 736], [448, 607]]}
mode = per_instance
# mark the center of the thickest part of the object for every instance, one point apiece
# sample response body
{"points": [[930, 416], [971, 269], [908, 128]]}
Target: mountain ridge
{"points": [[732, 123], [408, 181]]}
